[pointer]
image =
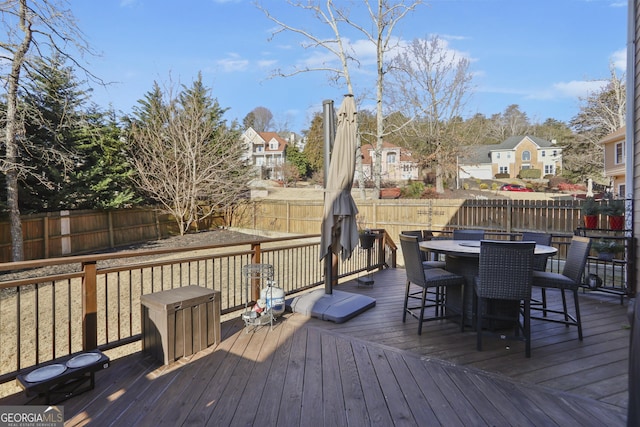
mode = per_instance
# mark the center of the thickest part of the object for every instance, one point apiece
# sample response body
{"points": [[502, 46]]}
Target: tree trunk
{"points": [[11, 165], [439, 171]]}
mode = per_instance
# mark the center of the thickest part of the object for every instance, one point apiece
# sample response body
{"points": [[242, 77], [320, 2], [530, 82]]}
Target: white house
{"points": [[397, 163], [514, 154], [266, 151]]}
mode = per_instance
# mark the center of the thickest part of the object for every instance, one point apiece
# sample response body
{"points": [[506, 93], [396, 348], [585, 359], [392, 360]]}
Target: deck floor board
{"points": [[374, 370]]}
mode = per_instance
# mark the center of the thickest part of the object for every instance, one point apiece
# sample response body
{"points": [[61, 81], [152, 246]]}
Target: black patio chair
{"points": [[468, 234], [569, 280], [426, 263], [539, 262], [504, 277], [427, 278]]}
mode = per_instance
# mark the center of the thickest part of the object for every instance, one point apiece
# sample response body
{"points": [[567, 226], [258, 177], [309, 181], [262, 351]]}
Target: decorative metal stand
{"points": [[260, 313]]}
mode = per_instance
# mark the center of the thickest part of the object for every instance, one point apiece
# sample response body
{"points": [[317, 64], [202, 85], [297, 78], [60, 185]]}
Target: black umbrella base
{"points": [[336, 307]]}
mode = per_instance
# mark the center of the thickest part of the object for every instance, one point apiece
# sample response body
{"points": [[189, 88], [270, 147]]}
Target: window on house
{"points": [[497, 155], [622, 191], [548, 170], [259, 149], [391, 157], [543, 153], [508, 155], [504, 169], [619, 153], [526, 156], [273, 145], [555, 153]]}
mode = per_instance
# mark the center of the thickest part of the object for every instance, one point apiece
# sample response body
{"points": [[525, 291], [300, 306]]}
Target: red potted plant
{"points": [[590, 212], [615, 214]]}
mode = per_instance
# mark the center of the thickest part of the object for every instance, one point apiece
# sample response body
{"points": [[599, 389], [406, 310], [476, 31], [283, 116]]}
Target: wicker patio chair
{"points": [[426, 263], [427, 278], [539, 262], [505, 273], [468, 234], [569, 280]]}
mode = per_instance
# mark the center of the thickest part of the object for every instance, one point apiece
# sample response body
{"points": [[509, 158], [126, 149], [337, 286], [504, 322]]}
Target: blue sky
{"points": [[539, 54]]}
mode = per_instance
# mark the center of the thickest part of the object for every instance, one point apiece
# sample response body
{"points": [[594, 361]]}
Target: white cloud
{"points": [[619, 59], [577, 88], [267, 63], [233, 63]]}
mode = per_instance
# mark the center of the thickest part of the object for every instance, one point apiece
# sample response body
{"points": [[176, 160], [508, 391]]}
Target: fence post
{"points": [[255, 282], [509, 216], [45, 235], [89, 307], [65, 233], [112, 240], [288, 227]]}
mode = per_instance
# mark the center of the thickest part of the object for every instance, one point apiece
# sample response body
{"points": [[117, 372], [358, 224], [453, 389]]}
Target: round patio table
{"points": [[462, 257]]}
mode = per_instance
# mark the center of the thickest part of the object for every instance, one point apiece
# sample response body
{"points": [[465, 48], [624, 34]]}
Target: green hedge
{"points": [[530, 173]]}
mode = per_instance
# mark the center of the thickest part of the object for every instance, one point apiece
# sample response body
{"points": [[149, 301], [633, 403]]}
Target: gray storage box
{"points": [[180, 322]]}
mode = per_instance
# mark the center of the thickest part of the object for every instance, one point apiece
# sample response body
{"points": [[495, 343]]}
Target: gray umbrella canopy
{"points": [[339, 226]]}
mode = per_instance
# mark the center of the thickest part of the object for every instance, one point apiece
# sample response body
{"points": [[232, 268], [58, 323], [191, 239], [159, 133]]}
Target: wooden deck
{"points": [[375, 370]]}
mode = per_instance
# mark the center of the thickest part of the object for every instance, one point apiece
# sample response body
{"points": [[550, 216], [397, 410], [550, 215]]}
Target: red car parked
{"points": [[515, 187]]}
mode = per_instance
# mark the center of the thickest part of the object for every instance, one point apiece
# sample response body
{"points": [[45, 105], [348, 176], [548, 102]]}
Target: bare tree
{"points": [[432, 85], [601, 112], [384, 15], [186, 157], [260, 119], [33, 29], [512, 122]]}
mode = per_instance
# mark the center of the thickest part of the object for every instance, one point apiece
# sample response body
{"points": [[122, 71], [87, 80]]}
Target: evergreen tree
{"points": [[102, 178], [52, 107], [314, 147], [297, 158]]}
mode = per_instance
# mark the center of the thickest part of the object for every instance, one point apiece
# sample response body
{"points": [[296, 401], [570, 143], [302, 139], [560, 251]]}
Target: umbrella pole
{"points": [[330, 272]]}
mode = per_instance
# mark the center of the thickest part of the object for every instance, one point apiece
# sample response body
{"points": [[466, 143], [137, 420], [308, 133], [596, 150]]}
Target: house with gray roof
{"points": [[514, 154]]}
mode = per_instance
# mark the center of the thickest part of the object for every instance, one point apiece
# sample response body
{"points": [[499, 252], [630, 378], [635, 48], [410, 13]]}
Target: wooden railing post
{"points": [[89, 307], [255, 282]]}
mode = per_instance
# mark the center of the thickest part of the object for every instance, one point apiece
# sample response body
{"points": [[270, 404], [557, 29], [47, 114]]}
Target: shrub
{"points": [[484, 186], [590, 207], [413, 190], [494, 186], [502, 175], [613, 208], [530, 173]]}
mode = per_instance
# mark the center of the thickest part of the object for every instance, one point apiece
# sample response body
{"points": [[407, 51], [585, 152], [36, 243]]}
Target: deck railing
{"points": [[94, 302]]}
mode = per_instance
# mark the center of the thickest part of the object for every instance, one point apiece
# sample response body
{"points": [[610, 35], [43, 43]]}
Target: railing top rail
{"points": [[91, 258]]}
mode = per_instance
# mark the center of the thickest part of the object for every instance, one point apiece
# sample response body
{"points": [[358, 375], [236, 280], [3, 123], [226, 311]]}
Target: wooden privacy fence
{"points": [[77, 232], [551, 216], [56, 234]]}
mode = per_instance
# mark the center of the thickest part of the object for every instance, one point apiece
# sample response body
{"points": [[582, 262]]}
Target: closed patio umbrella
{"points": [[339, 226]]}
